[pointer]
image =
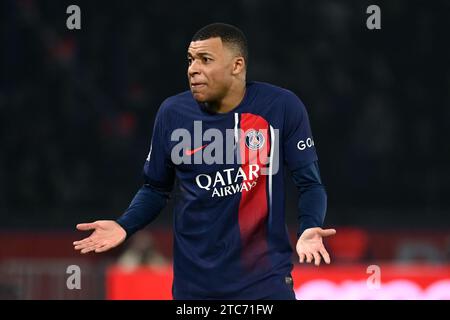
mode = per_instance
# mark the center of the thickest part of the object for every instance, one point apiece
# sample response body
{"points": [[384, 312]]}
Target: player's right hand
{"points": [[107, 234]]}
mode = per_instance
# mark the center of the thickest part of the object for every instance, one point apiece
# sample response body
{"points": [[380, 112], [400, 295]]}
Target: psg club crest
{"points": [[254, 140]]}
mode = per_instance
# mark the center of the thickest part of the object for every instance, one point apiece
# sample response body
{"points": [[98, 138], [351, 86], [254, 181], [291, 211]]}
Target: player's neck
{"points": [[232, 99]]}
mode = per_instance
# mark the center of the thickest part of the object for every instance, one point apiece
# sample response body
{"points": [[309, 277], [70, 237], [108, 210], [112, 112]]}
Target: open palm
{"points": [[107, 234], [310, 245]]}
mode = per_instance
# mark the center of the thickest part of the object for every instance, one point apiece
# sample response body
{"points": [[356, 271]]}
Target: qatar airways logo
{"points": [[257, 148], [229, 181]]}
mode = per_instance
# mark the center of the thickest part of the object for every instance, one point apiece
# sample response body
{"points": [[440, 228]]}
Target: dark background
{"points": [[77, 106]]}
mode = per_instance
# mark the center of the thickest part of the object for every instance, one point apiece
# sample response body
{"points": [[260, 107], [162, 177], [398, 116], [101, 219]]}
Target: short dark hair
{"points": [[228, 33]]}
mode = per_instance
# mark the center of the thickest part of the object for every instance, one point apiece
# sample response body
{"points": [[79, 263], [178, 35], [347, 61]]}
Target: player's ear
{"points": [[238, 65]]}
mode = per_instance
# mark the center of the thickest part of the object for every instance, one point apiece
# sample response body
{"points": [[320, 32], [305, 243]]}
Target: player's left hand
{"points": [[310, 245]]}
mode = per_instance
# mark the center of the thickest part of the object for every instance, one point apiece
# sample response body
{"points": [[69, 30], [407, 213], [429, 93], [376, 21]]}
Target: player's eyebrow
{"points": [[200, 54]]}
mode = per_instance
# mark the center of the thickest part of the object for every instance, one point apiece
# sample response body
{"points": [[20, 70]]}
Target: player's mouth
{"points": [[196, 86]]}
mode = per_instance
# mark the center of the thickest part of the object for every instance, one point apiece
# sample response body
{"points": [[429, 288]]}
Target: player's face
{"points": [[210, 69]]}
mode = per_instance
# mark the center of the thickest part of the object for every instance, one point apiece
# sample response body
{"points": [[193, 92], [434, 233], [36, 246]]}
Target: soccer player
{"points": [[230, 235]]}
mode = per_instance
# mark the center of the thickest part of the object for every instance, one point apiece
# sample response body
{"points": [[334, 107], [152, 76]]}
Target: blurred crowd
{"points": [[77, 106]]}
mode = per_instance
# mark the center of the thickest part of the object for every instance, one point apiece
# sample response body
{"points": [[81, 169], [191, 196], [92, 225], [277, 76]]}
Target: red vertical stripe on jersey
{"points": [[253, 207]]}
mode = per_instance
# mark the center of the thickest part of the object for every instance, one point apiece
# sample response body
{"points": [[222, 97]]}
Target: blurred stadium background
{"points": [[77, 110]]}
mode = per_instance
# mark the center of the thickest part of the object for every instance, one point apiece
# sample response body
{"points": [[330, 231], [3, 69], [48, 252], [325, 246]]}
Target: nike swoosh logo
{"points": [[191, 152]]}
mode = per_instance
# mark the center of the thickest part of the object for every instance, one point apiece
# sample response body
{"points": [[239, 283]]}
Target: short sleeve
{"points": [[298, 142], [159, 171]]}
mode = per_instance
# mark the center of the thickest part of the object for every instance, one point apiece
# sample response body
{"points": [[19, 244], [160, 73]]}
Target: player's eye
{"points": [[206, 59], [189, 59]]}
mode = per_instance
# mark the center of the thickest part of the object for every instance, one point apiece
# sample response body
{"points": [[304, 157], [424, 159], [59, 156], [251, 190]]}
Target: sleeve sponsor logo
{"points": [[303, 144]]}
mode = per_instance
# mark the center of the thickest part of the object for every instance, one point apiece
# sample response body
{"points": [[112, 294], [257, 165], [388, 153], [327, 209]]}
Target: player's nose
{"points": [[193, 69]]}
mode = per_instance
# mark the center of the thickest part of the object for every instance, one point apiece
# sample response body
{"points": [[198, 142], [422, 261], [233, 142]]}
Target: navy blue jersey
{"points": [[230, 235]]}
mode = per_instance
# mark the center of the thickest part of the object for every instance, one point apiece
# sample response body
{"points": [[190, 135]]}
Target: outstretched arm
{"points": [[144, 208], [159, 174], [312, 209]]}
